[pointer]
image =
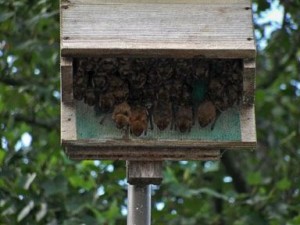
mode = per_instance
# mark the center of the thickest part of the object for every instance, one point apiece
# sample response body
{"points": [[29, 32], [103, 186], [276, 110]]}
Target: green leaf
{"points": [[169, 176], [284, 184], [56, 186], [294, 221], [6, 16], [25, 211], [75, 204], [2, 156], [113, 211], [84, 182], [42, 212], [254, 178], [29, 180]]}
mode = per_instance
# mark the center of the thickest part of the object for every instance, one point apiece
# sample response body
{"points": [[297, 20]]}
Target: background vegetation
{"points": [[40, 185]]}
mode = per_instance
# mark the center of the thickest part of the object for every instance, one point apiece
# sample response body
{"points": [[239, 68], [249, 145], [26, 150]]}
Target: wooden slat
{"points": [[183, 2], [249, 81], [66, 65], [163, 144], [68, 119], [202, 28], [140, 154], [248, 128], [68, 122]]}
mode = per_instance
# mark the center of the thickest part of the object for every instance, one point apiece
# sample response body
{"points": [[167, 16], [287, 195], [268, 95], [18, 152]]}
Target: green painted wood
{"points": [[227, 128]]}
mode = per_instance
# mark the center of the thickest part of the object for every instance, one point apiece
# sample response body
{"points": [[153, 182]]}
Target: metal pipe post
{"points": [[139, 205]]}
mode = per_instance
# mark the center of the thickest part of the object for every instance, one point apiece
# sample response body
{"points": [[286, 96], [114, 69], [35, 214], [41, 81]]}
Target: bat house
{"points": [[157, 79]]}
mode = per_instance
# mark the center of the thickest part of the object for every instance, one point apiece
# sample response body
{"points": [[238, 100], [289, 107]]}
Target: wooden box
{"points": [[156, 29]]}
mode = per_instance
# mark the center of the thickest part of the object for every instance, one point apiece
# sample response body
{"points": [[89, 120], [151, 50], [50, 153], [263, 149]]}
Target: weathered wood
{"points": [[248, 128], [157, 150], [249, 81], [202, 28], [156, 28], [144, 172], [68, 123], [139, 153], [68, 119], [66, 70]]}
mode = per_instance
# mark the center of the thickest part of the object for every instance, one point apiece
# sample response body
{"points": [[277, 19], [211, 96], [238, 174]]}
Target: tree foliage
{"points": [[40, 185]]}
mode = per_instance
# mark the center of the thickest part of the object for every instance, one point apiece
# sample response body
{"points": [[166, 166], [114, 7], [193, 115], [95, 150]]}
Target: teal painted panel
{"points": [[88, 124]]}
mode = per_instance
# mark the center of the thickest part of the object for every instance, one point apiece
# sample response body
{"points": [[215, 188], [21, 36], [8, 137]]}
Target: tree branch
{"points": [[12, 82], [48, 125], [239, 182]]}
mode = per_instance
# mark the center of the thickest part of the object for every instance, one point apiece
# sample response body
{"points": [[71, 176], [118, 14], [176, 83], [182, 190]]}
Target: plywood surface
{"points": [[92, 126], [188, 28]]}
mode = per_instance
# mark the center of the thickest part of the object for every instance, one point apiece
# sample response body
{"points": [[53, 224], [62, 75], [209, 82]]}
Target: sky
{"points": [[273, 17]]}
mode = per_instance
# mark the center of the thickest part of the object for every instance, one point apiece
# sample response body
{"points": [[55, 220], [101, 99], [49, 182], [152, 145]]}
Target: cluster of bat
{"points": [[169, 92]]}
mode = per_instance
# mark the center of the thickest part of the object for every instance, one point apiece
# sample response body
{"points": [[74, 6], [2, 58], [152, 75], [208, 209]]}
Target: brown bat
{"points": [[162, 111], [121, 115], [137, 80], [184, 119], [206, 113], [138, 121], [106, 102], [78, 93], [121, 93], [162, 115], [90, 97], [100, 82], [109, 65]]}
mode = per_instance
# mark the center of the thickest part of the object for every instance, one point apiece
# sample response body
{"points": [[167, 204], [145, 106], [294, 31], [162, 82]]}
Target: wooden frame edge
{"points": [[142, 154], [249, 81], [248, 126], [66, 76]]}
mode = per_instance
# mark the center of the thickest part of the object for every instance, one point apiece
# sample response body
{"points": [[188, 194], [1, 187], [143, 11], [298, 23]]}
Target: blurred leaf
{"points": [[25, 211], [113, 211], [41, 213], [56, 186], [284, 184], [79, 181], [30, 178], [254, 178], [294, 221]]}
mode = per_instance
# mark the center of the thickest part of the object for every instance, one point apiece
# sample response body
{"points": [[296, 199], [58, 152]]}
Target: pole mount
{"points": [[144, 172]]}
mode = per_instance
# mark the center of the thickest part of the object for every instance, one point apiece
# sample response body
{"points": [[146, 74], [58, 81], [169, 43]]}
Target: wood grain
{"points": [[68, 122], [144, 172], [249, 81], [193, 28], [66, 71], [139, 154], [248, 127]]}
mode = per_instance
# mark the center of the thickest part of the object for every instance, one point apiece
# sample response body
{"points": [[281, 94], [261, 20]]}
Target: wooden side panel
{"points": [[193, 28], [68, 122], [249, 81], [248, 127], [66, 65], [68, 113]]}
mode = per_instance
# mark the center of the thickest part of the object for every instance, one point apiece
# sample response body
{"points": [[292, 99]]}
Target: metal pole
{"points": [[139, 205]]}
